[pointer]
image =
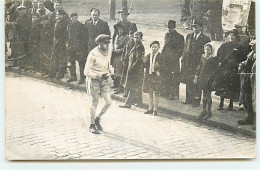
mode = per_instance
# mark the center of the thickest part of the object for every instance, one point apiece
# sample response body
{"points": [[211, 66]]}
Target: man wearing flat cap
{"points": [[97, 68], [172, 51], [76, 44], [128, 26], [193, 50], [95, 27]]}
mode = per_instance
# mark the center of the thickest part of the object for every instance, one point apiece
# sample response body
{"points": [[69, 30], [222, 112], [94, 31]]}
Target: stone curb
{"points": [[168, 112]]}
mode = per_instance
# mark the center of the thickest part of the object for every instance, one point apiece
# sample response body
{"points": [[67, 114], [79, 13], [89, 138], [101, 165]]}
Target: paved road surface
{"points": [[44, 121]]}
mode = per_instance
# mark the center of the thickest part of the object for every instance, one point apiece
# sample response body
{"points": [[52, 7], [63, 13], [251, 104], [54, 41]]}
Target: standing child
{"points": [[152, 77], [204, 79]]}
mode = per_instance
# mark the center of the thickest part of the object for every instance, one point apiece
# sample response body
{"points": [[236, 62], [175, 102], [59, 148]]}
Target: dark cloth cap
{"points": [[171, 24], [154, 42], [119, 25], [197, 22], [139, 33], [74, 14], [124, 10], [102, 38]]}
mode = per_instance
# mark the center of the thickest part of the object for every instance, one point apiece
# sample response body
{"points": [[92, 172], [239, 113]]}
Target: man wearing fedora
{"points": [[77, 47], [97, 68], [172, 51], [128, 26], [193, 50], [95, 27]]}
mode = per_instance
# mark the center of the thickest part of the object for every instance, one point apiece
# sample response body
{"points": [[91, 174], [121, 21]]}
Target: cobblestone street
{"points": [[44, 121]]}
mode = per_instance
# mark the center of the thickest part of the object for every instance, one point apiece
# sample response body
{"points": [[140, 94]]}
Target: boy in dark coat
{"points": [[204, 78], [77, 48], [152, 78]]}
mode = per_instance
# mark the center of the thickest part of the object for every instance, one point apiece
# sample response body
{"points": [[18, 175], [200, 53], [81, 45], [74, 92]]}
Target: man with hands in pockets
{"points": [[98, 70]]}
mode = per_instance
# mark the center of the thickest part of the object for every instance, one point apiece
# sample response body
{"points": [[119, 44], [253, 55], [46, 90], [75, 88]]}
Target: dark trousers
{"points": [[73, 56], [193, 93], [58, 66]]}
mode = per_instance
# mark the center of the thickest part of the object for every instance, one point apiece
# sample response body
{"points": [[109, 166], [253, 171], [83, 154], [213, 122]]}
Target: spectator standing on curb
{"points": [[230, 54], [98, 70], [135, 72], [95, 27], [35, 38], [46, 44], [116, 60], [193, 50], [128, 26], [204, 77], [172, 51], [77, 47], [152, 77], [247, 67], [19, 41], [58, 61], [125, 59]]}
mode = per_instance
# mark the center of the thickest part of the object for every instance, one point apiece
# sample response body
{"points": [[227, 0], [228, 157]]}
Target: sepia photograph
{"points": [[130, 80]]}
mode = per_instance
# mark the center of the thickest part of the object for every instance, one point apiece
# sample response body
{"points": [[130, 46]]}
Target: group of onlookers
{"points": [[48, 40]]}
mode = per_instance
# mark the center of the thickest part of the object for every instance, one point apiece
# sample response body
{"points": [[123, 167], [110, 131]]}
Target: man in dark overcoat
{"points": [[58, 61], [95, 27], [128, 26], [172, 51], [77, 47], [135, 72], [46, 44], [193, 50]]}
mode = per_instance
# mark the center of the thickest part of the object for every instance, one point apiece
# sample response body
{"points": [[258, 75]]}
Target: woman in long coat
{"points": [[230, 54], [135, 72]]}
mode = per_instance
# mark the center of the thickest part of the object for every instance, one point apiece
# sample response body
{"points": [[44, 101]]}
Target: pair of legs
{"points": [[97, 88], [193, 94], [153, 102], [206, 102], [133, 97], [72, 68], [221, 104]]}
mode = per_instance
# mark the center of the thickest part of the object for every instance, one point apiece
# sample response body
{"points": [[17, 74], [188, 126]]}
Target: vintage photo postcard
{"points": [[130, 79]]}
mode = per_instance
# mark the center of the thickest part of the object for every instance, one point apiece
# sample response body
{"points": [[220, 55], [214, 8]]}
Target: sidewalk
{"points": [[226, 120]]}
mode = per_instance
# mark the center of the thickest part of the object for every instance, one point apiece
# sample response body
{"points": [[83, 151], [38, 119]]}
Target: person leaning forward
{"points": [[95, 27], [193, 49], [98, 70]]}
